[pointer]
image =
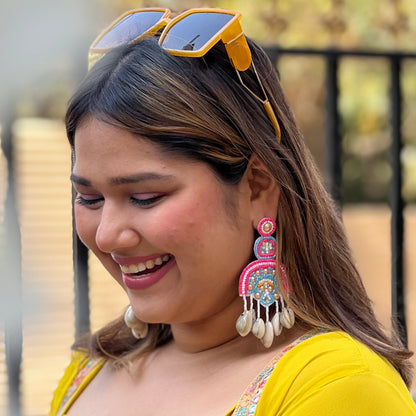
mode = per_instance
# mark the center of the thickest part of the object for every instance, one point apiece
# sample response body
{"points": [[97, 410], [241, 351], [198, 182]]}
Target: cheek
{"points": [[86, 225], [184, 224]]}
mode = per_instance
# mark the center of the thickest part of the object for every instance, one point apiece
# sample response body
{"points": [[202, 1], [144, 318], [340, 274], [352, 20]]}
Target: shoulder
{"points": [[80, 371], [332, 373], [336, 351]]}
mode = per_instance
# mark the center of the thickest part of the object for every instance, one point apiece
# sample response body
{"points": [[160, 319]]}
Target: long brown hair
{"points": [[197, 107]]}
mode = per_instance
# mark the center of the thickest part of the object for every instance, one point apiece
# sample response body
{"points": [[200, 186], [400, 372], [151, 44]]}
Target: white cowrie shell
{"points": [[287, 317], [291, 317], [268, 337], [130, 319], [258, 328], [142, 332], [277, 328], [244, 323], [139, 329]]}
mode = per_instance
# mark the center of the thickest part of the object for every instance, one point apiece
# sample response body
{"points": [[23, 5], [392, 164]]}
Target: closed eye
{"points": [[89, 200], [147, 199]]}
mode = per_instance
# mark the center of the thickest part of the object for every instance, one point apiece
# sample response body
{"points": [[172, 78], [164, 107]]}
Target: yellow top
{"points": [[320, 374]]}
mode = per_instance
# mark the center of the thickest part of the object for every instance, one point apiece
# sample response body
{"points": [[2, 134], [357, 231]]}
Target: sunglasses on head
{"points": [[191, 34]]}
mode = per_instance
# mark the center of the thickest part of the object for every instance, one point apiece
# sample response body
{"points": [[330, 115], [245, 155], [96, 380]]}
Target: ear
{"points": [[263, 189]]}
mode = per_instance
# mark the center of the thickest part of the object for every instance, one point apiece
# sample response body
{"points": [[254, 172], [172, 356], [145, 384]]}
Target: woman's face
{"points": [[170, 233]]}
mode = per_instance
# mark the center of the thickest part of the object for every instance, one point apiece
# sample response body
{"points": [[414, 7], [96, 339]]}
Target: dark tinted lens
{"points": [[195, 30], [128, 29]]}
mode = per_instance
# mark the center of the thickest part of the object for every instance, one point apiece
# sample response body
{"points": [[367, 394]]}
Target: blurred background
{"points": [[43, 49]]}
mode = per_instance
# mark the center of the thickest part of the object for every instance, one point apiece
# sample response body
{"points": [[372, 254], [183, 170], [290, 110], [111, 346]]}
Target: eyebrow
{"points": [[141, 177]]}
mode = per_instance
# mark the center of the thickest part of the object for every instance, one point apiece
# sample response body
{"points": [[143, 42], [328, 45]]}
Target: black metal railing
{"points": [[332, 57], [334, 153], [11, 274]]}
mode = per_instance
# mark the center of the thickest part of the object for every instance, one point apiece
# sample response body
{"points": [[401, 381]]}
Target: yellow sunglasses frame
{"points": [[94, 54], [231, 35]]}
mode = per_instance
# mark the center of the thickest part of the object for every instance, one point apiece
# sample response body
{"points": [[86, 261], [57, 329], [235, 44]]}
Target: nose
{"points": [[116, 230]]}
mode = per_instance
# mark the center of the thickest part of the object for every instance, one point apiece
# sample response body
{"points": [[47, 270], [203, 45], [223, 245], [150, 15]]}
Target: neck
{"points": [[219, 332], [208, 333]]}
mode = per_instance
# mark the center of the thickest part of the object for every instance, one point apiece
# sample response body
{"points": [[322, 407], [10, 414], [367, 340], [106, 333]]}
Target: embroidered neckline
{"points": [[247, 404], [87, 369]]}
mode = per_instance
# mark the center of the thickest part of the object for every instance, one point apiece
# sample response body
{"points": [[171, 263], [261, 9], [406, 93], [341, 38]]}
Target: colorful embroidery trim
{"points": [[77, 381]]}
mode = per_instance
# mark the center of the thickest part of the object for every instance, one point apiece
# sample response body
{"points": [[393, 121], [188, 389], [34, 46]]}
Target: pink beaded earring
{"points": [[258, 283]]}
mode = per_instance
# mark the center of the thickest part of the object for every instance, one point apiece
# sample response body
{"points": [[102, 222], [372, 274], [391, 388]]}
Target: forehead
{"points": [[96, 141], [101, 149], [101, 135]]}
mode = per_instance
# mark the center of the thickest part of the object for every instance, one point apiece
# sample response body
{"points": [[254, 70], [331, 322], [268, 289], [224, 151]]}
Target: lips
{"points": [[141, 273]]}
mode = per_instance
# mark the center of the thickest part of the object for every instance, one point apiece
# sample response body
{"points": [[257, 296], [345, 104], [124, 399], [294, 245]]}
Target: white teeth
{"points": [[132, 269], [141, 267], [150, 264]]}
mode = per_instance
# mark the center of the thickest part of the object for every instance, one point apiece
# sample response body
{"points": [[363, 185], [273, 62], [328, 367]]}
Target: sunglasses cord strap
{"points": [[266, 103]]}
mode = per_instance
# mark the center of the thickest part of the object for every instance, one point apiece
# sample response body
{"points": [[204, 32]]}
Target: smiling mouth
{"points": [[149, 266]]}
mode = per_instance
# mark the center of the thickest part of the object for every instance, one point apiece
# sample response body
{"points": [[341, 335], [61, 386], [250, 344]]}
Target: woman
{"points": [[184, 156]]}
